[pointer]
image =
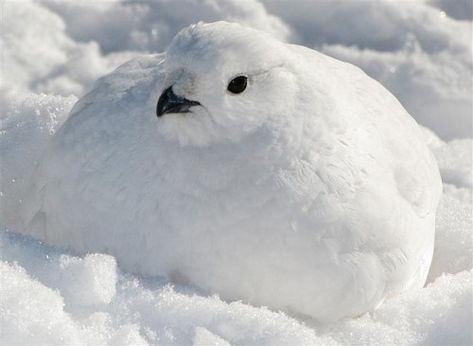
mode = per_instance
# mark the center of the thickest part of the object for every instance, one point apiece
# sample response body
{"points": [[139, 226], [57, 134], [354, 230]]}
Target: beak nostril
{"points": [[169, 102]]}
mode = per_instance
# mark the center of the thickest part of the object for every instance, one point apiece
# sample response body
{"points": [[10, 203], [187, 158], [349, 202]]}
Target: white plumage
{"points": [[311, 191]]}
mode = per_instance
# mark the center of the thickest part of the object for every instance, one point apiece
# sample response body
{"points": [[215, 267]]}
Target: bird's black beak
{"points": [[171, 103]]}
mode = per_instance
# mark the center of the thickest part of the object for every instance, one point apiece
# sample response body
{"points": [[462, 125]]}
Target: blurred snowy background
{"points": [[52, 51]]}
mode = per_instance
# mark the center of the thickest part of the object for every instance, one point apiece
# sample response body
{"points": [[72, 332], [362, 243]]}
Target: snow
{"points": [[453, 240], [455, 162], [41, 57], [27, 123], [150, 25], [420, 50]]}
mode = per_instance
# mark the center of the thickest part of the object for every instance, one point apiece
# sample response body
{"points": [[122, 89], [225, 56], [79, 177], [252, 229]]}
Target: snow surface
{"points": [[420, 50]]}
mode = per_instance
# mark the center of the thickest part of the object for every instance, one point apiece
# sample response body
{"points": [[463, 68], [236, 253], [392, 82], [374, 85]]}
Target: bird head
{"points": [[223, 81]]}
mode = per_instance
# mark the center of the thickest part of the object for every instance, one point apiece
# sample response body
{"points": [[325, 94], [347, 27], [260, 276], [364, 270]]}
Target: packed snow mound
{"points": [[39, 316]]}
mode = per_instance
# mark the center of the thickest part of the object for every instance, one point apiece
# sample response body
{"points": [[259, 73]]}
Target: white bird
{"points": [[258, 170]]}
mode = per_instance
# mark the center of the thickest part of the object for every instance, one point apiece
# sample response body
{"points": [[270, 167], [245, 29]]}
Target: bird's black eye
{"points": [[238, 84]]}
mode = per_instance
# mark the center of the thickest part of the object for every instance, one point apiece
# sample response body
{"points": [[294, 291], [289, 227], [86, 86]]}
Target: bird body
{"points": [[310, 191]]}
